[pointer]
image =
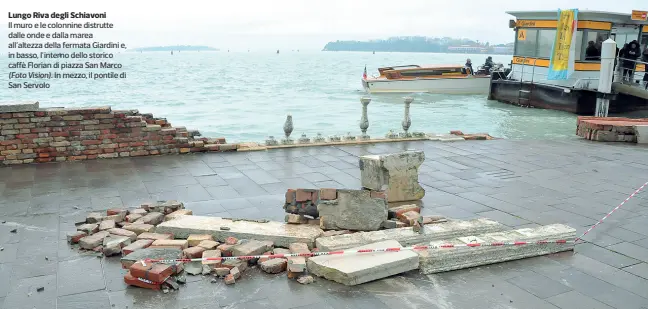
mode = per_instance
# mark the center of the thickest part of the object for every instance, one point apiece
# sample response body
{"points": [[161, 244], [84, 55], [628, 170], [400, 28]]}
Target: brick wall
{"points": [[59, 134], [608, 129]]}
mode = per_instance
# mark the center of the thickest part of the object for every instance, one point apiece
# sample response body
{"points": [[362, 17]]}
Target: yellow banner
{"points": [[563, 41]]}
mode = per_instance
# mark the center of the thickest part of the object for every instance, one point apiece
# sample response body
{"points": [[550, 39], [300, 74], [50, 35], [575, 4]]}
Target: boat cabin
{"points": [[416, 71], [535, 32]]}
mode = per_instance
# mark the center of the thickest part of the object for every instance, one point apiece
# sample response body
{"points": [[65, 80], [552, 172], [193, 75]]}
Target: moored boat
{"points": [[443, 79]]}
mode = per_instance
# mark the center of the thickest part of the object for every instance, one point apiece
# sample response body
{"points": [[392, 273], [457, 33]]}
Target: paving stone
{"points": [[605, 255], [407, 237], [139, 228], [80, 275], [631, 250], [397, 172], [154, 236], [640, 270], [574, 299], [539, 285], [353, 210], [123, 232], [137, 245], [280, 234], [195, 239], [358, 269], [93, 241], [435, 261]]}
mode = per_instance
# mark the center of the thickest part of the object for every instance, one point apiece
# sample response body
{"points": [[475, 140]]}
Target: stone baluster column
{"points": [[288, 128], [364, 121], [407, 121]]}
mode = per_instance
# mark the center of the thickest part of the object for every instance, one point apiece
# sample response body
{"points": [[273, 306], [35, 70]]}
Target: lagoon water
{"points": [[245, 96]]}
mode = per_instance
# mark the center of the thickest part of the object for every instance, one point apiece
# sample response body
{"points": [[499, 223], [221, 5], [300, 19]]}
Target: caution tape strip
{"points": [[340, 252]]}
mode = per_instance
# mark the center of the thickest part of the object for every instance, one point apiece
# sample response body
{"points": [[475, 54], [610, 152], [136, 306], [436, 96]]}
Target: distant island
{"points": [[176, 48], [421, 44]]}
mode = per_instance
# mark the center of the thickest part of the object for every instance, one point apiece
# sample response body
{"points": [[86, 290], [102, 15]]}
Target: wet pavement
{"points": [[518, 183]]}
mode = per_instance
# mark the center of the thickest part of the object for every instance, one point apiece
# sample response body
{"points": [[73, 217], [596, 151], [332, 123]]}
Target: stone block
{"points": [[274, 266], [153, 218], [106, 225], [123, 232], [94, 217], [139, 211], [353, 210], [137, 245], [279, 233], [93, 241], [154, 236], [364, 267], [74, 237], [390, 224], [112, 245], [641, 132], [209, 244], [407, 237], [170, 243], [177, 213], [139, 228], [409, 218], [398, 172], [195, 239], [88, 228], [394, 212], [150, 253], [229, 279], [193, 252], [296, 219], [235, 272], [222, 271], [298, 248], [117, 218], [133, 217], [117, 211], [436, 261], [250, 247], [226, 249], [212, 254]]}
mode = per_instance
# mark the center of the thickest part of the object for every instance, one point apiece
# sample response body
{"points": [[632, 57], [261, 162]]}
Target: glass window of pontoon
{"points": [[527, 47], [595, 39], [578, 40], [546, 39]]}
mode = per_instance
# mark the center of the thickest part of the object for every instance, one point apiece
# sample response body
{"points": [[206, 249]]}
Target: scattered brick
{"points": [[178, 213], [139, 244], [94, 217], [433, 219], [409, 217], [226, 250], [193, 252], [274, 266], [242, 265], [116, 211], [123, 232], [112, 245], [222, 271], [231, 241], [235, 273], [131, 280], [296, 219], [88, 228], [212, 254], [92, 241], [305, 279], [154, 236], [133, 217], [106, 225], [229, 279], [251, 247], [74, 237], [303, 195], [153, 218], [209, 244], [139, 228], [195, 239], [170, 243], [394, 212]]}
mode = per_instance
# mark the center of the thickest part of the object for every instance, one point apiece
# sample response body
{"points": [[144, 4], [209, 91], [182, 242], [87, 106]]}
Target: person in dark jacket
{"points": [[591, 53], [631, 55], [644, 58], [488, 65], [469, 66]]}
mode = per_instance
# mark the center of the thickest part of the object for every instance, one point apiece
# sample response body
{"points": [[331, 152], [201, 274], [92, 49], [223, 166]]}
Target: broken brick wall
{"points": [[608, 129], [59, 134]]}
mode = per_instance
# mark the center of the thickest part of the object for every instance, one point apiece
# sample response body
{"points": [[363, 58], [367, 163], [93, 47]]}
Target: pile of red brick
{"points": [[608, 129], [47, 135]]}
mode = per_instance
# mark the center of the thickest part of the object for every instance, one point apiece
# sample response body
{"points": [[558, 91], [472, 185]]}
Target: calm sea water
{"points": [[245, 96]]}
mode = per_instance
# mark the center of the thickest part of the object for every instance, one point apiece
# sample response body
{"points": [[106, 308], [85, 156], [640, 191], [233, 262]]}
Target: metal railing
{"points": [[631, 72]]}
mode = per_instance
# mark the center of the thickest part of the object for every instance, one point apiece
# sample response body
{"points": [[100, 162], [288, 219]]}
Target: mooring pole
{"points": [[608, 53]]}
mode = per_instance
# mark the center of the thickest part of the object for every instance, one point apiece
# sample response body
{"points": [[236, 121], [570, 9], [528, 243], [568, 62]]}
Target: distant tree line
{"points": [[176, 48], [404, 44]]}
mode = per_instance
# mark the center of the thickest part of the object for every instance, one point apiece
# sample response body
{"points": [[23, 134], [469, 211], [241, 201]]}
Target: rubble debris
{"points": [[274, 266], [407, 237], [171, 243], [206, 270], [235, 273], [74, 237], [193, 268], [231, 241], [92, 241], [302, 202], [139, 228], [177, 213], [353, 210], [117, 218], [208, 244], [142, 283], [398, 171], [409, 217], [435, 261], [89, 228], [156, 272], [150, 253], [241, 264], [139, 211], [305, 279], [123, 232], [112, 245], [181, 279], [213, 264], [193, 252], [94, 217], [281, 234], [195, 239], [434, 219], [139, 244], [133, 217], [390, 224], [153, 218], [251, 247], [395, 212], [225, 249], [154, 236], [296, 219], [222, 271], [165, 207], [335, 233], [280, 251], [357, 269], [172, 283], [106, 225], [229, 279], [117, 211]]}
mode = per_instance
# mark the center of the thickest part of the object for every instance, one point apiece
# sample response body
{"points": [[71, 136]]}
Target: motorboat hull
{"points": [[464, 85]]}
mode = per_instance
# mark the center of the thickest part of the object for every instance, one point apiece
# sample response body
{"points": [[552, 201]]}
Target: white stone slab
{"points": [[406, 236], [395, 173], [642, 134], [363, 267], [446, 259], [279, 233]]}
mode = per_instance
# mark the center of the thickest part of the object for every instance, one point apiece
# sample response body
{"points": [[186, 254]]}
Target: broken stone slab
{"points": [[364, 267], [137, 245], [123, 232], [436, 261], [139, 228], [178, 213], [194, 268], [274, 266], [357, 210], [165, 207], [397, 172], [153, 218], [407, 237], [150, 253], [154, 236], [251, 247], [112, 245], [93, 241], [281, 234], [195, 239], [106, 225]]}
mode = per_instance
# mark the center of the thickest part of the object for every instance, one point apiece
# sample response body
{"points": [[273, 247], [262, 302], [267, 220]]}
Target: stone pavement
{"points": [[518, 183]]}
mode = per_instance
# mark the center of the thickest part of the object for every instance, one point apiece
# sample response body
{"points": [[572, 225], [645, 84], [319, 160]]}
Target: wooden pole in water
{"points": [[608, 53]]}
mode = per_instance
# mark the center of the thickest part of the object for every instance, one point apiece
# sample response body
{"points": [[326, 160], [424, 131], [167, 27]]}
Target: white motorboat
{"points": [[443, 79]]}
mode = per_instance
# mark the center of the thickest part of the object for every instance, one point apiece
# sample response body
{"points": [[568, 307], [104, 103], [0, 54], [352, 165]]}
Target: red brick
{"points": [[26, 136], [231, 241], [92, 157], [137, 144], [39, 114], [75, 158], [328, 194], [59, 134], [10, 142], [43, 155], [303, 195], [193, 252], [139, 153], [290, 196]]}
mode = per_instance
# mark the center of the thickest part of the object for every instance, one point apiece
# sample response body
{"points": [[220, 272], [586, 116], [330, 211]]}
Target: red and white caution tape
{"points": [[340, 252], [613, 210]]}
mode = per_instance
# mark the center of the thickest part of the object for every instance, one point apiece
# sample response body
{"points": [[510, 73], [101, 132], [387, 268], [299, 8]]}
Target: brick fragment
{"points": [[154, 236], [274, 266], [139, 244], [222, 271], [112, 245], [195, 239], [123, 232], [226, 249], [170, 243], [235, 272], [88, 228], [92, 241], [133, 217], [209, 244], [231, 241], [409, 217], [229, 279], [296, 219], [153, 218], [213, 264], [74, 237], [193, 252], [116, 211], [94, 217], [139, 228], [394, 212], [106, 225]]}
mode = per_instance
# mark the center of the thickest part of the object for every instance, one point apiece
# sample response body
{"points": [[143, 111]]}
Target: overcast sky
{"points": [[303, 24]]}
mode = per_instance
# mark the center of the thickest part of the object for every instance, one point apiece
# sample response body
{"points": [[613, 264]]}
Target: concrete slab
{"points": [[279, 233], [356, 210], [441, 260], [397, 172], [642, 134], [364, 267], [406, 236]]}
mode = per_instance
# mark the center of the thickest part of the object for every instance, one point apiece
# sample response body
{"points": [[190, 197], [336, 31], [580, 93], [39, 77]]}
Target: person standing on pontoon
{"points": [[469, 66]]}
